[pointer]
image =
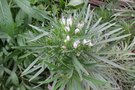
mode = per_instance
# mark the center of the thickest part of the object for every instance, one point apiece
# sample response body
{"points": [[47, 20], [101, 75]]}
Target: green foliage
{"points": [[6, 20], [47, 44], [31, 11], [75, 58]]}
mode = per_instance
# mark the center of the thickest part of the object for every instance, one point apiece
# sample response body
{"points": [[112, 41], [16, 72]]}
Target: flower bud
{"points": [[63, 20], [67, 38], [67, 28], [76, 43], [87, 42], [80, 25], [77, 30], [69, 21]]}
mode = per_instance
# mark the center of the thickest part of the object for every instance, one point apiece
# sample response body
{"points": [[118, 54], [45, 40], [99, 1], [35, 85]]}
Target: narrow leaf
{"points": [[30, 66], [113, 39], [38, 73], [107, 61]]}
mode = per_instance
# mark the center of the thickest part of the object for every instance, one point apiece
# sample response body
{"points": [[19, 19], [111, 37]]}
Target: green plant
{"points": [[14, 21], [79, 53], [124, 15], [105, 13]]}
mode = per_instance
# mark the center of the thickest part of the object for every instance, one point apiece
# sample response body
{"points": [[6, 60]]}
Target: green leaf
{"points": [[62, 87], [38, 73], [1, 71], [22, 87], [6, 20], [7, 70], [32, 70], [33, 47], [14, 78], [79, 72], [111, 32], [38, 29], [113, 39], [30, 66], [75, 2], [38, 37], [59, 84], [79, 65], [88, 14], [74, 84], [49, 79], [44, 33], [25, 55], [107, 61], [12, 88], [94, 81], [20, 17], [79, 68], [96, 24], [33, 1], [32, 11]]}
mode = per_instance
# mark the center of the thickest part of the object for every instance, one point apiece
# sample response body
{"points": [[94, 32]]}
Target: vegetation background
{"points": [[67, 45]]}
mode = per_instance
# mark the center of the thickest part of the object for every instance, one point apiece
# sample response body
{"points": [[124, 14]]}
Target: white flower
{"points": [[77, 30], [64, 47], [87, 42], [76, 43], [80, 25], [69, 21], [67, 38], [67, 28], [63, 20], [90, 44]]}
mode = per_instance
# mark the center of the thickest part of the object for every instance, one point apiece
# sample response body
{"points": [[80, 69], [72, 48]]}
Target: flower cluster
{"points": [[68, 22]]}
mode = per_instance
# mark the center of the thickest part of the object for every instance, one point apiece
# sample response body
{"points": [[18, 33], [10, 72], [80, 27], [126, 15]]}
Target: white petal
{"points": [[90, 44], [76, 43], [69, 21], [63, 20], [80, 25], [77, 30], [68, 38], [87, 42], [67, 28]]}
